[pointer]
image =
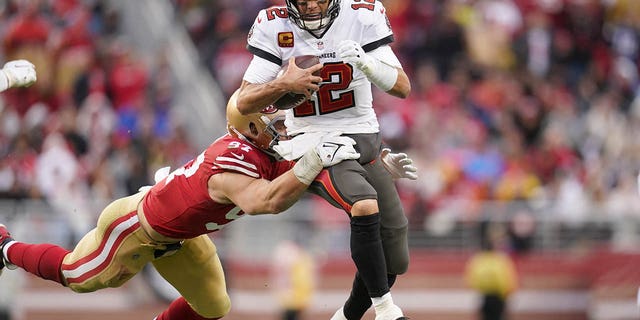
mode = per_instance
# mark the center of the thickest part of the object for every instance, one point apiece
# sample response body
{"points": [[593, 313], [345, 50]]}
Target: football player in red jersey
{"points": [[17, 73], [351, 38], [167, 224]]}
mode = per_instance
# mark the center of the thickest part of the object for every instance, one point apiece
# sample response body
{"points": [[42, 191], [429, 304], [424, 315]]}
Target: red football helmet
{"points": [[263, 130]]}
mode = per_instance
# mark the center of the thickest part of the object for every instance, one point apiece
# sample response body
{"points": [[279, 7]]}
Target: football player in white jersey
{"points": [[351, 38]]}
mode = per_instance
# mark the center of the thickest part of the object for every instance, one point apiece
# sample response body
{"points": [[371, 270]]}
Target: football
{"points": [[292, 100]]}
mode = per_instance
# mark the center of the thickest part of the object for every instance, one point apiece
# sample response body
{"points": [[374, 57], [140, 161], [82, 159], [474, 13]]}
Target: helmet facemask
{"points": [[262, 130], [316, 23], [273, 131]]}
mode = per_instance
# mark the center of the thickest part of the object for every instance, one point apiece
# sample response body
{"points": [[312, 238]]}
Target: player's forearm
{"points": [[392, 80], [402, 87], [255, 97], [285, 190], [279, 196]]}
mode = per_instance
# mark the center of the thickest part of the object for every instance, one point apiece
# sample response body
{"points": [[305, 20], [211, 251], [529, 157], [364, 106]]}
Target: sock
{"points": [[359, 301], [179, 309], [42, 260], [367, 253], [379, 302]]}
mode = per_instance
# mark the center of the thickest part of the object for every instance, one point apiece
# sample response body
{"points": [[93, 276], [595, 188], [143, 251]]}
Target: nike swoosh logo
{"points": [[239, 157], [334, 145]]}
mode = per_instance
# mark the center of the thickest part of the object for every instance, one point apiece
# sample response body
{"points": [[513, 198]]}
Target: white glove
{"points": [[351, 52], [19, 73], [384, 76], [331, 149], [398, 164]]}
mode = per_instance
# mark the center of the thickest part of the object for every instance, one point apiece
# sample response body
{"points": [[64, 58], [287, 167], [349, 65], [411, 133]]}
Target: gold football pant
{"points": [[118, 248]]}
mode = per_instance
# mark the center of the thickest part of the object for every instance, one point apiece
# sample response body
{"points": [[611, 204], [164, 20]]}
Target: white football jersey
{"points": [[344, 101]]}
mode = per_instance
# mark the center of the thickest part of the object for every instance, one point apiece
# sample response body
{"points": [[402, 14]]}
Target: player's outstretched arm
{"points": [[260, 196], [17, 73]]}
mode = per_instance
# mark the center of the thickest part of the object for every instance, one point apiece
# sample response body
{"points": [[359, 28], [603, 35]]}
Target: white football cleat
{"points": [[389, 312], [339, 315]]}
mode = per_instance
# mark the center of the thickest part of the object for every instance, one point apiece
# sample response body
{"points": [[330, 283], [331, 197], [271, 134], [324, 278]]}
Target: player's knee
{"points": [[399, 265], [82, 288], [87, 286], [396, 249], [364, 207], [79, 289], [214, 309]]}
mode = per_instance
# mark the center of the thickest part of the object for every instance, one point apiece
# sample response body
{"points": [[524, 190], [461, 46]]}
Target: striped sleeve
{"points": [[234, 163]]}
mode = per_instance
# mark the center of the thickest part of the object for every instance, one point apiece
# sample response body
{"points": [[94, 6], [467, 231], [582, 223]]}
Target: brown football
{"points": [[292, 100]]}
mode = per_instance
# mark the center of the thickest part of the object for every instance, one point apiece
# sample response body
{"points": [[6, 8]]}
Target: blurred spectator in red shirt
{"points": [[127, 78], [27, 37]]}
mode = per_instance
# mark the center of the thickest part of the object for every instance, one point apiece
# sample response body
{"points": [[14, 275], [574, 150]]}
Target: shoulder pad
{"points": [[264, 31], [367, 12], [239, 157]]}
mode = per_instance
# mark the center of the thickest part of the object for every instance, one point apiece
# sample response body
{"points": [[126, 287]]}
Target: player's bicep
{"points": [[260, 71], [386, 55], [237, 188]]}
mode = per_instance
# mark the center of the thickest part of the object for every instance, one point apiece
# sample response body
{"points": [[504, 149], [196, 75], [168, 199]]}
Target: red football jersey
{"points": [[179, 206]]}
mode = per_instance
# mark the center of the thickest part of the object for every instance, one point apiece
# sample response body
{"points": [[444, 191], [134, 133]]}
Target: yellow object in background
{"points": [[491, 272]]}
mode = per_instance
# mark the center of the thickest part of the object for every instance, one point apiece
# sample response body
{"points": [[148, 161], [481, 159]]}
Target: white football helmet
{"points": [[263, 130], [310, 23]]}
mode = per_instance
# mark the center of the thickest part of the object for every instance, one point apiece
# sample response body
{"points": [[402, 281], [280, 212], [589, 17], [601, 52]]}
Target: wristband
{"points": [[307, 168], [381, 74]]}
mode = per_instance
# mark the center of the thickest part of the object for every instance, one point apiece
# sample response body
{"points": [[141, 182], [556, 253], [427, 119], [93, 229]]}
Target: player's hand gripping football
{"points": [[399, 165], [19, 73], [299, 80]]}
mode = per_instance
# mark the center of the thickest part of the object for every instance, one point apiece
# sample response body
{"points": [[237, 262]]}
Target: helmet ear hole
{"points": [[253, 129]]}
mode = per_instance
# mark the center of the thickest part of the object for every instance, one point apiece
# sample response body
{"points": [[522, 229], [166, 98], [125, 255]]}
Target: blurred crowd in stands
{"points": [[512, 100], [98, 119]]}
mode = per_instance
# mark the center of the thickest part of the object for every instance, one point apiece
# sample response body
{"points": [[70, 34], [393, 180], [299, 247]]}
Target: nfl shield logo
{"points": [[320, 45]]}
